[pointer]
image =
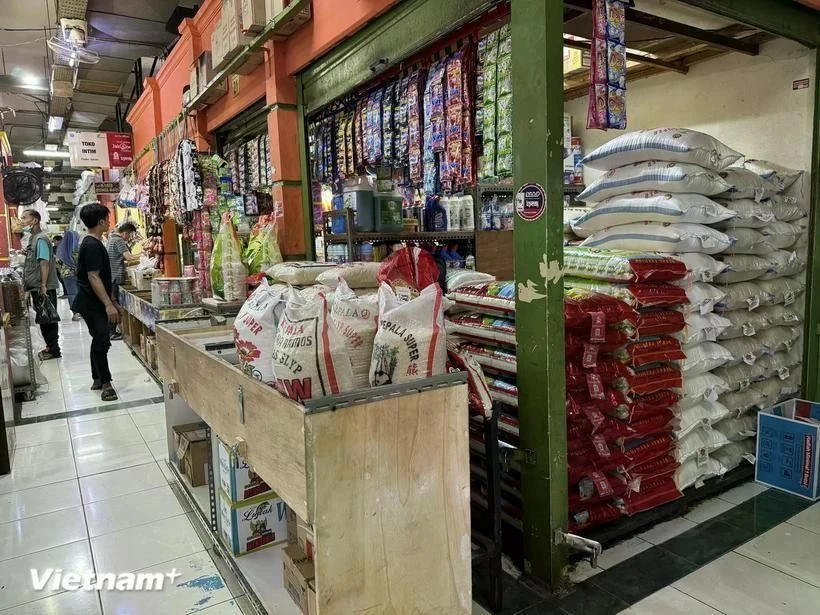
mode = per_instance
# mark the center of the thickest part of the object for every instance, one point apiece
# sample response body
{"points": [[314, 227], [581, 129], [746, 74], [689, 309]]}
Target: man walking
{"points": [[40, 277], [119, 255]]}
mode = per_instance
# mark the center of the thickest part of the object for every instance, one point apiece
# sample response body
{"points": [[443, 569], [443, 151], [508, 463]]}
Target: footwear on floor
{"points": [[47, 355], [109, 394], [76, 318], [117, 336]]}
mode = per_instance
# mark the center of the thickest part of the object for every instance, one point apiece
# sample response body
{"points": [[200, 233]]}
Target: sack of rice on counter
{"points": [[701, 267], [782, 177], [254, 330], [745, 184], [653, 175], [743, 268], [310, 358], [749, 214], [355, 275], [498, 297], [666, 144], [356, 318], [652, 206], [410, 342], [298, 274], [635, 295], [664, 238], [621, 265], [490, 329]]}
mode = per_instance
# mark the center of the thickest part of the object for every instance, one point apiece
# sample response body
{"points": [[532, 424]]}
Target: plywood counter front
{"points": [[384, 481]]}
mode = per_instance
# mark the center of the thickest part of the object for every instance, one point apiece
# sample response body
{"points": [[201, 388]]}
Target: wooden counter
{"points": [[382, 476]]}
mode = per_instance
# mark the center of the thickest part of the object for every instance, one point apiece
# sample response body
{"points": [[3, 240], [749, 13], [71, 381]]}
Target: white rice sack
{"points": [[750, 213], [743, 295], [695, 471], [703, 386], [675, 177], [782, 315], [744, 323], [735, 453], [748, 241], [779, 338], [649, 207], [697, 442], [738, 428], [459, 278], [254, 330], [786, 208], [701, 328], [356, 318], [782, 235], [667, 144], [743, 268], [780, 364], [769, 392], [703, 297], [355, 275], [665, 238], [740, 377], [702, 267], [411, 342], [783, 290], [744, 350], [792, 385], [310, 357], [703, 414], [742, 401], [704, 358], [745, 184], [298, 273], [571, 214], [782, 177], [783, 263]]}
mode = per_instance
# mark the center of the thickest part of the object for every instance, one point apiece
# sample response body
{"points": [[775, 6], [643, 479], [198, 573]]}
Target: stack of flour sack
{"points": [[741, 230]]}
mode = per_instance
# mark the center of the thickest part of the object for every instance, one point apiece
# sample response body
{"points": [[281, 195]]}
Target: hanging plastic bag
{"points": [[228, 273], [263, 251], [408, 271], [45, 312]]}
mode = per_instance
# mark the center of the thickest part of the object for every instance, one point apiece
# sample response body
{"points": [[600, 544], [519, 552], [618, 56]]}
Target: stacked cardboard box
{"points": [[191, 445]]}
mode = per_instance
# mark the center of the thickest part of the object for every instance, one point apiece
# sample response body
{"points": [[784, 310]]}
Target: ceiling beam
{"points": [[712, 39], [678, 67]]}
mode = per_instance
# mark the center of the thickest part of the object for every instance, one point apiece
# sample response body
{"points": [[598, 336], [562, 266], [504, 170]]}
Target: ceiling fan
{"points": [[22, 186], [73, 53]]}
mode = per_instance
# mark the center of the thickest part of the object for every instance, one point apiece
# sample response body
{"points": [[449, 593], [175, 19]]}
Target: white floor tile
{"points": [[198, 587], [43, 532], [15, 587], [744, 492], [148, 415], [708, 510], [67, 603], [33, 455], [104, 425], [114, 514], [39, 500], [152, 433], [737, 585], [809, 519], [147, 545], [121, 482], [48, 401], [789, 549], [666, 530], [42, 473], [42, 433], [166, 471], [159, 449], [231, 608], [622, 551], [115, 459], [670, 601], [95, 416], [115, 440]]}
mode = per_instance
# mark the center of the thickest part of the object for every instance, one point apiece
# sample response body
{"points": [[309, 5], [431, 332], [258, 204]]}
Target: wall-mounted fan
{"points": [[22, 187], [72, 53]]}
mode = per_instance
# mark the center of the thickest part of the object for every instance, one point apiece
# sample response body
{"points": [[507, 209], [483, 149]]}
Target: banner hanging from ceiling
{"points": [[104, 150]]}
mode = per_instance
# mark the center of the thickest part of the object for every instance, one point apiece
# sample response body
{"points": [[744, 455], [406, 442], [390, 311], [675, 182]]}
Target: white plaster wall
{"points": [[745, 101]]}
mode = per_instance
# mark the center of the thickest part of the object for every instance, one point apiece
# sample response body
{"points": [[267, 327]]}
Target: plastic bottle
{"points": [[467, 213], [454, 213], [435, 216]]}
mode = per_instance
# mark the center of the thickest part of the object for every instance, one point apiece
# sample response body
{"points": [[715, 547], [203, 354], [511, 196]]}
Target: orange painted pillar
{"points": [[284, 145]]}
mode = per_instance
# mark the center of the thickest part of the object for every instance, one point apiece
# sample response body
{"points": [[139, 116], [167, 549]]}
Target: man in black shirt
{"points": [[93, 300]]}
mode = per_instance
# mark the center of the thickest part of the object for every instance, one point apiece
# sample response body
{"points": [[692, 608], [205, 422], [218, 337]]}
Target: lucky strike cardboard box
{"points": [[253, 524]]}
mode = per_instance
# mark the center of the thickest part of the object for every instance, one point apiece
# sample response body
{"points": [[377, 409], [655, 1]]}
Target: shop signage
{"points": [[530, 202], [106, 188], [104, 150]]}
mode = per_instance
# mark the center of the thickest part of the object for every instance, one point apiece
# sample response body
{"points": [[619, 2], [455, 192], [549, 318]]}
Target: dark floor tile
{"points": [[589, 599], [516, 599], [708, 541], [642, 575], [764, 511]]}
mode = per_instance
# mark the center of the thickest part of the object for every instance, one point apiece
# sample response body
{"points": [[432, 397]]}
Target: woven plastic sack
{"points": [[742, 401], [693, 474], [783, 315], [650, 207], [702, 297], [741, 377], [781, 364], [356, 319], [621, 265], [355, 275], [743, 268], [783, 263], [705, 413], [459, 278], [786, 208], [779, 338], [667, 144], [704, 358], [701, 328], [297, 273], [782, 235], [748, 241], [411, 342], [664, 238], [738, 428], [408, 271], [744, 295], [571, 214], [702, 267], [745, 350], [482, 327], [750, 213], [492, 357], [498, 297], [310, 358], [254, 330], [703, 386], [782, 290], [744, 323], [782, 177], [735, 453], [699, 442], [479, 396], [744, 184]]}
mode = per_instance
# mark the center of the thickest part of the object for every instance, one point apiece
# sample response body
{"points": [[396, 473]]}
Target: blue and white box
{"points": [[787, 448], [253, 524]]}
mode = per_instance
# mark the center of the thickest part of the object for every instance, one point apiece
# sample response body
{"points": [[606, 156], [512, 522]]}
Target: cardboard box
{"points": [[205, 68], [297, 572], [293, 521], [191, 445], [253, 524], [304, 539], [236, 478], [787, 448], [576, 59], [254, 16]]}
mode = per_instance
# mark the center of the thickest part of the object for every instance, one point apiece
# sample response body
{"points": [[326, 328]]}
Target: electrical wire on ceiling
{"points": [[22, 43]]}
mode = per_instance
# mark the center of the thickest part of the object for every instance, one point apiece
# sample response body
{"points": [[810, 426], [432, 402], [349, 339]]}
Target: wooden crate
{"points": [[384, 483]]}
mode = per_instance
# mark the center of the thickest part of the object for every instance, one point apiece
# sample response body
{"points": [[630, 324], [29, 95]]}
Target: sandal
{"points": [[109, 394], [96, 386]]}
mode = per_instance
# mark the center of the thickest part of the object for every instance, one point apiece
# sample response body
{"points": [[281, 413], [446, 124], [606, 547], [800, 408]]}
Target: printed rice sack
{"points": [[310, 357], [657, 237], [782, 177], [411, 342], [254, 330], [702, 267], [355, 275], [356, 318], [746, 185], [298, 274], [749, 213]]}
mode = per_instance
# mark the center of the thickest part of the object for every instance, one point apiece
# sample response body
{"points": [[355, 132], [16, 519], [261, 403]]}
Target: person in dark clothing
{"points": [[40, 276], [93, 300], [119, 254], [57, 240]]}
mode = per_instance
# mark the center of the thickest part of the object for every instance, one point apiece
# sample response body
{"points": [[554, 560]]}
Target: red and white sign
{"points": [[103, 150]]}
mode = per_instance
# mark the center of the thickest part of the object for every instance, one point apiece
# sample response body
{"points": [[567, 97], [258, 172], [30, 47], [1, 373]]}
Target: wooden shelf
{"points": [[510, 188], [412, 236], [280, 27]]}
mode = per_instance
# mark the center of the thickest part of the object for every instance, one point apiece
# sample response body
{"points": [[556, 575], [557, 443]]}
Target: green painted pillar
{"points": [[538, 112]]}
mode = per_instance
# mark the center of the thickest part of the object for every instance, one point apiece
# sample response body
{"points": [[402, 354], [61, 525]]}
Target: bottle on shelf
{"points": [[467, 213], [454, 213], [435, 215]]}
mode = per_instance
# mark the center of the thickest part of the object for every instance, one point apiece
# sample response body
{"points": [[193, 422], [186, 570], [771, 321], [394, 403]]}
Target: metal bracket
{"points": [[578, 543], [240, 447], [173, 389], [174, 350], [240, 395]]}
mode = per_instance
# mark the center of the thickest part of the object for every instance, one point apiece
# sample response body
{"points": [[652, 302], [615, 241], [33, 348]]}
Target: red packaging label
{"points": [[601, 446], [602, 484], [597, 334], [590, 358], [595, 386], [595, 416]]}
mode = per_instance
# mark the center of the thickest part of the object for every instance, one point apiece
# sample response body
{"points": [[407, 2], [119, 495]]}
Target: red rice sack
{"points": [[491, 329], [621, 265], [479, 398], [254, 331], [655, 295], [408, 271], [410, 343], [498, 297], [310, 358]]}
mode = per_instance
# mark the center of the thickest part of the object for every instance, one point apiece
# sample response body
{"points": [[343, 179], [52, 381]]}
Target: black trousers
{"points": [[51, 331], [100, 330]]}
